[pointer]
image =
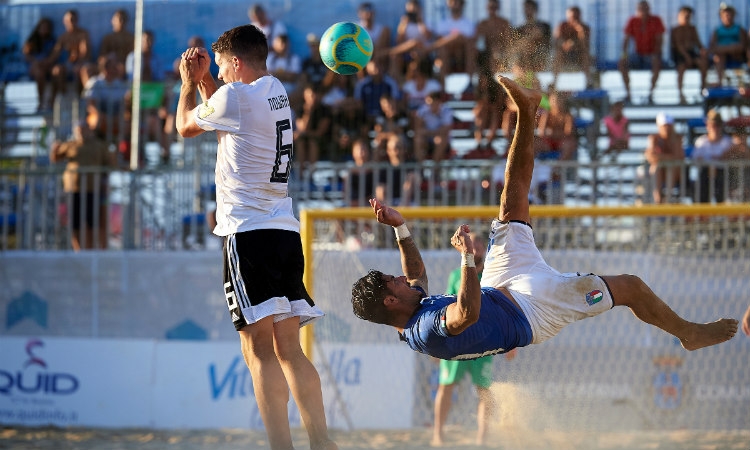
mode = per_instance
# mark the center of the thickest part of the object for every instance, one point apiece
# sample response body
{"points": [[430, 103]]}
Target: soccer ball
{"points": [[345, 48]]}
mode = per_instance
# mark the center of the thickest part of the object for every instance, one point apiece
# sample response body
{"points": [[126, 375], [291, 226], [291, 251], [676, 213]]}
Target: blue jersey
{"points": [[501, 327]]}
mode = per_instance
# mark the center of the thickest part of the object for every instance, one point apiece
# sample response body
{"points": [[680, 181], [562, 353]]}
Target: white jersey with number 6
{"points": [[253, 124]]}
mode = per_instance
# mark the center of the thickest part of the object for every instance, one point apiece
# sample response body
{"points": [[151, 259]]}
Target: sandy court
{"points": [[458, 438]]}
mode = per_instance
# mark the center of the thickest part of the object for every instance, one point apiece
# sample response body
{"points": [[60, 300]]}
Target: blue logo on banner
{"points": [[27, 305]]}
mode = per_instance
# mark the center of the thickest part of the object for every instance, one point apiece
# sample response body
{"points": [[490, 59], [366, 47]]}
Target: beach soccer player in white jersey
{"points": [[520, 300], [263, 259]]}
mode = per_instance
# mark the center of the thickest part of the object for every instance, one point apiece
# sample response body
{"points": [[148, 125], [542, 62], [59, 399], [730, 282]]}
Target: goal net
{"points": [[610, 372]]}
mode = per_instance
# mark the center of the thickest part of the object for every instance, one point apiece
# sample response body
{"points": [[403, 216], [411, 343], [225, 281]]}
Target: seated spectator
{"points": [[664, 153], [393, 122], [360, 177], [312, 127], [271, 28], [152, 67], [647, 32], [120, 42], [396, 182], [711, 147], [729, 42], [617, 129], [285, 65], [105, 102], [433, 122], [572, 46], [349, 121], [454, 46], [687, 50], [413, 39], [533, 40], [556, 131], [86, 189], [739, 175], [379, 34], [374, 85], [71, 51], [313, 70], [419, 83], [37, 50]]}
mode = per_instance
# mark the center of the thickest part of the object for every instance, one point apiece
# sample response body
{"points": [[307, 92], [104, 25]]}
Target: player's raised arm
{"points": [[194, 65], [411, 259], [465, 311]]}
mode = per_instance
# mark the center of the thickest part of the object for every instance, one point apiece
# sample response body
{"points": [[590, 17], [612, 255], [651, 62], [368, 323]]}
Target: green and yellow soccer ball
{"points": [[345, 48]]}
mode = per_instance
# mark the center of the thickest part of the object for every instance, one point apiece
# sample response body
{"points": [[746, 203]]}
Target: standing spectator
{"points": [[711, 147], [374, 85], [413, 38], [617, 129], [687, 50], [534, 40], [454, 46], [271, 28], [312, 127], [728, 42], [452, 372], [572, 46], [120, 42], [71, 52], [86, 187], [262, 247], [286, 66], [37, 50], [647, 31], [493, 36], [663, 153], [432, 126], [379, 33]]}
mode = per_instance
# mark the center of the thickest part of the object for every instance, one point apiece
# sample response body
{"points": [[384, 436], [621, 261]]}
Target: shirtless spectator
{"points": [[556, 130], [729, 42], [36, 50], [120, 42], [687, 50], [534, 40], [454, 46], [664, 147], [493, 37], [412, 40], [71, 52], [647, 31], [572, 46], [379, 33]]}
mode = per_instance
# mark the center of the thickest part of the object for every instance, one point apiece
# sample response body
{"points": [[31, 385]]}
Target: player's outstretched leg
{"points": [[514, 200], [631, 291]]}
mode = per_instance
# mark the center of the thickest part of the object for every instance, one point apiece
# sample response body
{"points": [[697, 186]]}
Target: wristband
{"points": [[402, 232], [467, 260]]}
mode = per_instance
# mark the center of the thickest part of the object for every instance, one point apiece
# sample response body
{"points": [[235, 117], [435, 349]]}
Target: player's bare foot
{"points": [[525, 99], [436, 442], [707, 334], [328, 445]]}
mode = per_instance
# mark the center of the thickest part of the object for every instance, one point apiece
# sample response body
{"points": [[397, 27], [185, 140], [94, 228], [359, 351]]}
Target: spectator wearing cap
{"points": [[271, 28], [647, 32], [728, 45], [664, 153], [711, 147]]}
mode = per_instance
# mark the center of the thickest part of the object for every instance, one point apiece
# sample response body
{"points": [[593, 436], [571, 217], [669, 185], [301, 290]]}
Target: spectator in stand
{"points": [[360, 178], [379, 33], [432, 126], [687, 50], [271, 28], [534, 40], [349, 121], [647, 32], [454, 46], [374, 85], [413, 39], [664, 153], [120, 42], [419, 83], [285, 65], [393, 122], [105, 102], [312, 127], [572, 46], [710, 148], [729, 42], [71, 52], [86, 187], [37, 50], [152, 67], [617, 129], [493, 36], [313, 70], [739, 176], [396, 182], [556, 130]]}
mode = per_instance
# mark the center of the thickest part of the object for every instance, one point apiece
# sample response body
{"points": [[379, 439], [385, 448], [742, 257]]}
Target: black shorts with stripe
{"points": [[263, 272]]}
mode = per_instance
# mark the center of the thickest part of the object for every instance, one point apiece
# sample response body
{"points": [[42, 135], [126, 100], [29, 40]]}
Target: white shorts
{"points": [[550, 300]]}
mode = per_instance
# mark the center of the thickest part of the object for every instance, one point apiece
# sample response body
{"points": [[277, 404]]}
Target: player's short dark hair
{"points": [[246, 42], [367, 298]]}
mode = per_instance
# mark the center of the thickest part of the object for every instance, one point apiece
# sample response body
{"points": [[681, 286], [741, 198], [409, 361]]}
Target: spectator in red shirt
{"points": [[647, 32]]}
